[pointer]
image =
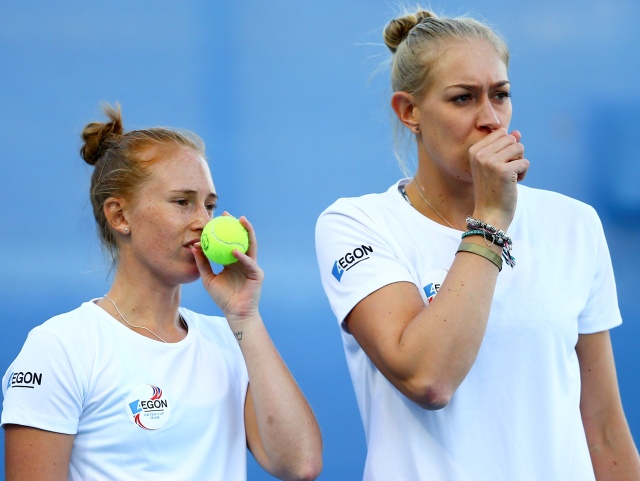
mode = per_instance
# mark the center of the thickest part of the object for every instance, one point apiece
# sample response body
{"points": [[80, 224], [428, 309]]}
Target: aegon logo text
{"points": [[138, 406], [345, 263], [25, 379]]}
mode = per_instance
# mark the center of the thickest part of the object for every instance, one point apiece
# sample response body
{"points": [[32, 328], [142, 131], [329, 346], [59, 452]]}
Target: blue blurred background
{"points": [[287, 98]]}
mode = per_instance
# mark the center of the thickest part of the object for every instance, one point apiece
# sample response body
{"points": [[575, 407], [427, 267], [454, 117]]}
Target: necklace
{"points": [[141, 327], [429, 204]]}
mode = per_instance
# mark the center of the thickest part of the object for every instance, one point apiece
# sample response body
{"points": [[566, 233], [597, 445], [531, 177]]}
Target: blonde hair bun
{"points": [[398, 29]]}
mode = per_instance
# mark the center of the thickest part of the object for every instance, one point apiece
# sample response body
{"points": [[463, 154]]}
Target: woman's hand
{"points": [[497, 164], [235, 289], [282, 432]]}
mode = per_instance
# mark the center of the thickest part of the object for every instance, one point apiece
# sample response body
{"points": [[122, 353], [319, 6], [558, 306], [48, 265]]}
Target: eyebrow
{"points": [[212, 195], [474, 88]]}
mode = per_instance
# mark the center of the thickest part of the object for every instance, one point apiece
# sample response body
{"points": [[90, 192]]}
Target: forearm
{"points": [[614, 454], [289, 436], [439, 346]]}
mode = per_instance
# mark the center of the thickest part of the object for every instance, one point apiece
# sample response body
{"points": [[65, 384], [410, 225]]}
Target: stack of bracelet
{"points": [[491, 236]]}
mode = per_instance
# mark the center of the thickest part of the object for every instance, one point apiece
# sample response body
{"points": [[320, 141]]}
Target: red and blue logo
{"points": [[147, 407]]}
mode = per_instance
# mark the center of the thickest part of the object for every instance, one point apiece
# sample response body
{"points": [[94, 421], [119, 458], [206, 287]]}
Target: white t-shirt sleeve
{"points": [[356, 256], [45, 386], [601, 311]]}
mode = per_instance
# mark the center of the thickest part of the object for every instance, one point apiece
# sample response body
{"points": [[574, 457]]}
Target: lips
{"points": [[191, 242]]}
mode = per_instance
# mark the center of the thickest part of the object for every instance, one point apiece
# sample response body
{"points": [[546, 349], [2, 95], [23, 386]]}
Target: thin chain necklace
{"points": [[429, 204], [141, 327]]}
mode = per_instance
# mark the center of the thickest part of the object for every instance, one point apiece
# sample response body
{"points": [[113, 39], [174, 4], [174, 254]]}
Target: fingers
{"points": [[499, 150], [204, 266], [497, 163], [247, 265], [523, 170], [253, 241], [498, 142]]}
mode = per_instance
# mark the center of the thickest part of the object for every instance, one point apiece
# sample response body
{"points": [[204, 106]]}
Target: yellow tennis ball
{"points": [[221, 236]]}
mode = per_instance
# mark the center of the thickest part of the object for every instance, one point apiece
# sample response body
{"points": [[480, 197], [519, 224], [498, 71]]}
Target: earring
{"points": [[417, 128], [126, 229]]}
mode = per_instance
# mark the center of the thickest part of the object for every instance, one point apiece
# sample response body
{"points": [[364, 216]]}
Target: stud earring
{"points": [[126, 229], [417, 128]]}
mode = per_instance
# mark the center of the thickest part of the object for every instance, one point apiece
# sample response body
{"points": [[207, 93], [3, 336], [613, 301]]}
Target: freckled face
{"points": [[468, 96], [168, 213]]}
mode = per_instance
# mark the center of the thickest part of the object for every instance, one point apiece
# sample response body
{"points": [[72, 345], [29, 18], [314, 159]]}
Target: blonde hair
{"points": [[119, 165], [418, 39]]}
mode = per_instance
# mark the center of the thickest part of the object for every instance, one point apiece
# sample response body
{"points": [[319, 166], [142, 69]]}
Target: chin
{"points": [[191, 277]]}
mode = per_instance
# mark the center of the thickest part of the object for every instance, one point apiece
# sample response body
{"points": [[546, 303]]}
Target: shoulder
{"points": [[532, 194], [62, 347], [555, 204], [367, 214], [358, 205], [70, 325]]}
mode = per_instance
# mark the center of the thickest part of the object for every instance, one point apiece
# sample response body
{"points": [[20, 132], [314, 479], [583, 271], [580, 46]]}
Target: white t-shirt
{"points": [[516, 415], [139, 408]]}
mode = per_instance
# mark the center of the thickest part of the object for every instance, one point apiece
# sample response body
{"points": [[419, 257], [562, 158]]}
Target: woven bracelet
{"points": [[482, 252], [489, 238]]}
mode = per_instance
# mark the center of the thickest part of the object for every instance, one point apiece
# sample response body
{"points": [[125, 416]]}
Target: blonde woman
{"points": [[474, 311]]}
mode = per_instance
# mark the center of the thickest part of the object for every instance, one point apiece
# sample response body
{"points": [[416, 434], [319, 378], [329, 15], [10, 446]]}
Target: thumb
{"points": [[204, 266]]}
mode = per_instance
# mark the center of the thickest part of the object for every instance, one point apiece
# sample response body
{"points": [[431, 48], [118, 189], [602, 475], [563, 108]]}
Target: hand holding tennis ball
{"points": [[221, 236]]}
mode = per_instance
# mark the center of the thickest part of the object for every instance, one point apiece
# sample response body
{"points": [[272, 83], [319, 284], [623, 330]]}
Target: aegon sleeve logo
{"points": [[435, 278], [147, 407], [350, 260], [27, 379]]}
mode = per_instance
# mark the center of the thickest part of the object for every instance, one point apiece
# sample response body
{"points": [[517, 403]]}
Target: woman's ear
{"points": [[404, 105], [113, 209]]}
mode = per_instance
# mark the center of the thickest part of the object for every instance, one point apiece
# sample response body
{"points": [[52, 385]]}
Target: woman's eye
{"points": [[503, 95], [461, 99], [182, 202]]}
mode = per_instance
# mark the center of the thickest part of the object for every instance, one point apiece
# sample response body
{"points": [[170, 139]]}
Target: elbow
{"points": [[305, 465], [306, 471], [428, 395], [310, 472]]}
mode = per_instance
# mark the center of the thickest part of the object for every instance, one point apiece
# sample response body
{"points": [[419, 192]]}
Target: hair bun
{"points": [[398, 28], [95, 134]]}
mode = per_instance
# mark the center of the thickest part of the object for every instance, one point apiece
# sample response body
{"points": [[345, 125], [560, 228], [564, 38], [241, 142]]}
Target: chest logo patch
{"points": [[434, 280], [148, 407]]}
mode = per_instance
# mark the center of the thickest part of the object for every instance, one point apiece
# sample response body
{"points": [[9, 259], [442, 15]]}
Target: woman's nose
{"points": [[487, 117]]}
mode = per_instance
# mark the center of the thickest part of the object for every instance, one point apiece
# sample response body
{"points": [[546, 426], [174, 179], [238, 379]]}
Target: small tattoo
{"points": [[238, 335]]}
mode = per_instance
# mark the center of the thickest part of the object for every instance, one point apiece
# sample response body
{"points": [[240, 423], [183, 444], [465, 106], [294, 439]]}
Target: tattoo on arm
{"points": [[238, 335]]}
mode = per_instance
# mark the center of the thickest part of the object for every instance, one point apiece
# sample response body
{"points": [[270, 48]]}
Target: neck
{"points": [[447, 203], [153, 307]]}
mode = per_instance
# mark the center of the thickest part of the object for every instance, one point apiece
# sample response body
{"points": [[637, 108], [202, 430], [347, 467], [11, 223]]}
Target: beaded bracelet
{"points": [[475, 224], [483, 252], [497, 236]]}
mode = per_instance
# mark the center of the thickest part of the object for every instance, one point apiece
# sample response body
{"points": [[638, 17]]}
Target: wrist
{"points": [[243, 319], [492, 237], [498, 219], [479, 240]]}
